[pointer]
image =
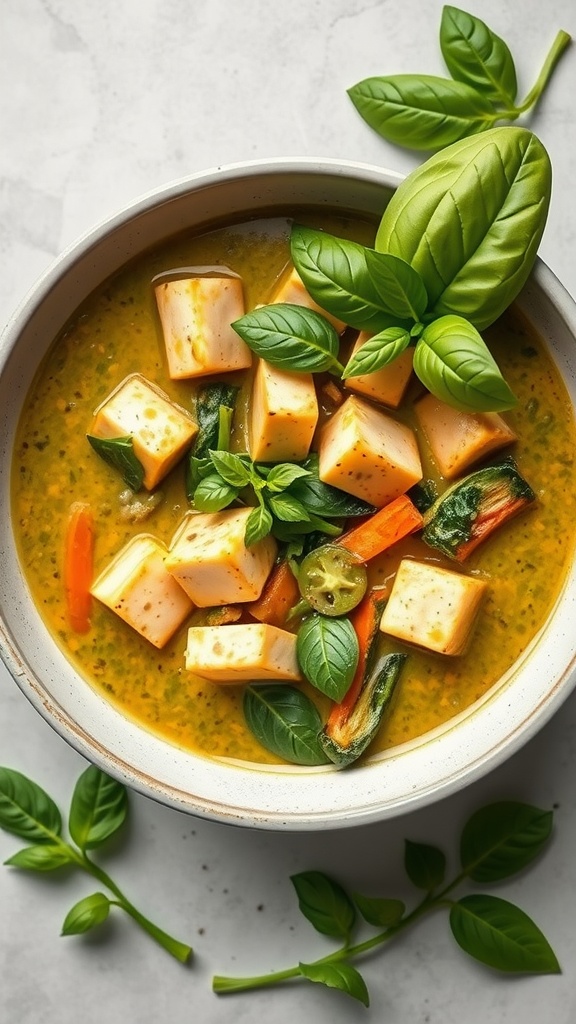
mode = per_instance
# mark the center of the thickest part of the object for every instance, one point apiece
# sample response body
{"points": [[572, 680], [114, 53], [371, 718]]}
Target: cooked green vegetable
{"points": [[119, 453], [285, 721], [471, 509], [346, 738], [214, 413], [332, 580]]}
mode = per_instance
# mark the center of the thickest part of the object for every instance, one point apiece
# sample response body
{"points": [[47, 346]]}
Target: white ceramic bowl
{"points": [[281, 798]]}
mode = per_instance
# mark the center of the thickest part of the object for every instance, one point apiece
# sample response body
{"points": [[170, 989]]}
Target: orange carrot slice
{"points": [[393, 522], [279, 595], [78, 566]]}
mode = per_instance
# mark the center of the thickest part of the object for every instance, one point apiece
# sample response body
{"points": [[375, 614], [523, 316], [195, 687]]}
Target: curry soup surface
{"points": [[117, 332]]}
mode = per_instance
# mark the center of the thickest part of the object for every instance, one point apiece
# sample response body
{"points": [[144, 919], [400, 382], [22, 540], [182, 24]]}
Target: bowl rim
{"points": [[543, 286]]}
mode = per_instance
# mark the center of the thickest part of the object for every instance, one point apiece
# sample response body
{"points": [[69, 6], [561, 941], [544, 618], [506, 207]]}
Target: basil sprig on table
{"points": [[455, 245], [497, 842], [430, 112], [98, 809]]}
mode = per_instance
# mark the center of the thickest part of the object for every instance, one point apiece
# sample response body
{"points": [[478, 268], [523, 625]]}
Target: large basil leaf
{"points": [[453, 362], [290, 337], [98, 809], [328, 652], [476, 55], [324, 903], [503, 838], [470, 220], [285, 721], [365, 289], [422, 111], [326, 501], [26, 810], [499, 934]]}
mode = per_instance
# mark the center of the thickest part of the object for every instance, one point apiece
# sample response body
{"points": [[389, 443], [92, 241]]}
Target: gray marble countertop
{"points": [[98, 104]]}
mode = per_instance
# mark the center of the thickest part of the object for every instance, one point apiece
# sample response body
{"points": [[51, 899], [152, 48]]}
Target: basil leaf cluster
{"points": [[429, 111]]}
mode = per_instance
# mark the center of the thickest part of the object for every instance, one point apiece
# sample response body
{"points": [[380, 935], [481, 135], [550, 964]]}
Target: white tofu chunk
{"points": [[236, 654], [283, 414], [432, 607], [160, 430], [211, 562], [459, 439], [196, 312], [387, 385], [138, 587], [292, 289], [367, 453]]}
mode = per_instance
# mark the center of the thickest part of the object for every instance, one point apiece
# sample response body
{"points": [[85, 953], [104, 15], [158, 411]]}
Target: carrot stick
{"points": [[78, 566], [278, 597], [381, 530], [365, 619]]}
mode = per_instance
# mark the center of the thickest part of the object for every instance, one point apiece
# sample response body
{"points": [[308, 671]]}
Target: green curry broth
{"points": [[116, 332]]}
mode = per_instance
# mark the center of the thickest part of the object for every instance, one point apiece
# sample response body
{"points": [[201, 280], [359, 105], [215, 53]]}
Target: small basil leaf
{"points": [[258, 525], [288, 509], [282, 475], [342, 976], [213, 494], [454, 363], [421, 111], [476, 55], [232, 468], [470, 220], [43, 857], [425, 865], [328, 652], [285, 721], [377, 352], [501, 935], [118, 452], [290, 337], [86, 914], [324, 500], [324, 903], [503, 838], [26, 810], [382, 913], [365, 291], [98, 809], [400, 286], [196, 470]]}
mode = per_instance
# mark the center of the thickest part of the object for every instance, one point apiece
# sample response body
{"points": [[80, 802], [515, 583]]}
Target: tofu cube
{"points": [[432, 607], [236, 654], [387, 385], [292, 289], [211, 562], [196, 312], [459, 439], [160, 430], [369, 454], [138, 587], [283, 415]]}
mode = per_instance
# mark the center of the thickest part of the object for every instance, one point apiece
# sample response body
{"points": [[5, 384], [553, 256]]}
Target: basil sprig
{"points": [[98, 810], [430, 112], [497, 842]]}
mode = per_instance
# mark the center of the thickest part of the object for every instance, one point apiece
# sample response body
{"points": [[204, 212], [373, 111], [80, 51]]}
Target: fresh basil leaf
{"points": [[421, 111], [258, 525], [382, 913], [454, 363], [285, 721], [42, 857], [501, 935], [26, 810], [328, 652], [288, 509], [377, 352], [86, 914], [213, 494], [470, 220], [290, 337], [119, 453], [476, 55], [232, 468], [98, 809], [324, 500], [196, 470], [425, 865], [324, 903], [503, 838], [341, 975], [282, 475], [364, 288]]}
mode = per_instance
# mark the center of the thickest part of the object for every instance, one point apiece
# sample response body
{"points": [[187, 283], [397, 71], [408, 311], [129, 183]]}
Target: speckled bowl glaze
{"points": [[289, 798]]}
